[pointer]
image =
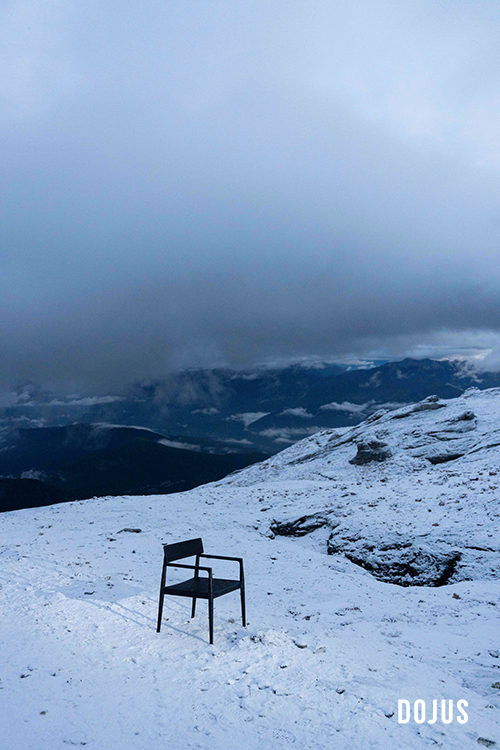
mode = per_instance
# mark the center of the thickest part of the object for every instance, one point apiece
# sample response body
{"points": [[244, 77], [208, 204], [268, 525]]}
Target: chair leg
{"points": [[160, 611], [243, 607], [162, 592], [193, 607], [211, 619]]}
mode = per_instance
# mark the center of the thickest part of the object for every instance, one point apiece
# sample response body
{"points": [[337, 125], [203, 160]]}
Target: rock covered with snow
{"points": [[370, 450], [410, 495]]}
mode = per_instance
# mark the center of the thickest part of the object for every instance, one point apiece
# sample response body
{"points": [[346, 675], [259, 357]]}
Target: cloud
{"points": [[203, 184], [346, 406], [298, 411], [249, 417], [288, 434], [35, 59]]}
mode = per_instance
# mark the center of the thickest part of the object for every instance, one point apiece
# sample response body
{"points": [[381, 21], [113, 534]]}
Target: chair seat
{"points": [[198, 587]]}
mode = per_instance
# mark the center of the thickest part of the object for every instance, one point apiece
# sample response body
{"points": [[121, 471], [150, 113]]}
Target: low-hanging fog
{"points": [[205, 183]]}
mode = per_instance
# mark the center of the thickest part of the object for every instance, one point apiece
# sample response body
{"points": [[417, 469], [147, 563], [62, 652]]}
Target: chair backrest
{"points": [[179, 550]]}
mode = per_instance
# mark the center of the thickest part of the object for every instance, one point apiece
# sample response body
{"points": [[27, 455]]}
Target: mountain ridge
{"points": [[262, 409]]}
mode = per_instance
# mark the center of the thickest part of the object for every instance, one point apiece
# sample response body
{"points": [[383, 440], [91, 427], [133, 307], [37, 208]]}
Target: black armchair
{"points": [[206, 587]]}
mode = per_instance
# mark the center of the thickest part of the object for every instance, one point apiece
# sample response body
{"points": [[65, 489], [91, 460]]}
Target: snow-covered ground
{"points": [[331, 645]]}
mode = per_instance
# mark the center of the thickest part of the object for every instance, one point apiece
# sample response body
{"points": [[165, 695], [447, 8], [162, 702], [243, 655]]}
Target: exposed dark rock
{"points": [[442, 458], [467, 416], [402, 562], [302, 526], [371, 450], [132, 531], [484, 741]]}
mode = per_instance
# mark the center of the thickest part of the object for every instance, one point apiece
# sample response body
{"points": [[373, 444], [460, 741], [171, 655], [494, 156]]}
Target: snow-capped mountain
{"points": [[269, 409], [372, 569], [264, 409]]}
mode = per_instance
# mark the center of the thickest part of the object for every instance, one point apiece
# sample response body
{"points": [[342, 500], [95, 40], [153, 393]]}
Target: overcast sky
{"points": [[204, 182]]}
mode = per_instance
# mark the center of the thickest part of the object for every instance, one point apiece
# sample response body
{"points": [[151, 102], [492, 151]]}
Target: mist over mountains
{"points": [[197, 426], [261, 408]]}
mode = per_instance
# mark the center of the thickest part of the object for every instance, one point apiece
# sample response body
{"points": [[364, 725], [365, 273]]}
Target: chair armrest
{"points": [[222, 557], [189, 567], [239, 560]]}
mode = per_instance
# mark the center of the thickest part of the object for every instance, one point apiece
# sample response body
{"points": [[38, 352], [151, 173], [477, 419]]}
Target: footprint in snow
{"points": [[283, 734]]}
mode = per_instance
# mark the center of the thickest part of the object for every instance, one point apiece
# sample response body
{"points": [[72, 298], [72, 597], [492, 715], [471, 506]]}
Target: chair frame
{"points": [[194, 548]]}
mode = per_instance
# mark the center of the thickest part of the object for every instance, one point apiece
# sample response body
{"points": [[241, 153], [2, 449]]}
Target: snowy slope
{"points": [[330, 646], [431, 499]]}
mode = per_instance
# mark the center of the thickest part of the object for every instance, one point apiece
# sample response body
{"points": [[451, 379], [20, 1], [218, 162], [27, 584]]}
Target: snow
{"points": [[329, 649]]}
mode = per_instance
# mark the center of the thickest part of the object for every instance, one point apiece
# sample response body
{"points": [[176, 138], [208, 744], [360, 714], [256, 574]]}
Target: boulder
{"points": [[403, 562], [370, 450]]}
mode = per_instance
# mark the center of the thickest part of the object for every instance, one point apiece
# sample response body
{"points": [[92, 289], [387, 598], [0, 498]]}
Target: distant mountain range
{"points": [[197, 425], [54, 464]]}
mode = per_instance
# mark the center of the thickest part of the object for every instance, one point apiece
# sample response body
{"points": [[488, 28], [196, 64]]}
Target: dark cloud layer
{"points": [[204, 183]]}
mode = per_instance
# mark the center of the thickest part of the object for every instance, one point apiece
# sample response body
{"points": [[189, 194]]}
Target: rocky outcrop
{"points": [[442, 458], [302, 526], [428, 404], [395, 559], [400, 561], [371, 450]]}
